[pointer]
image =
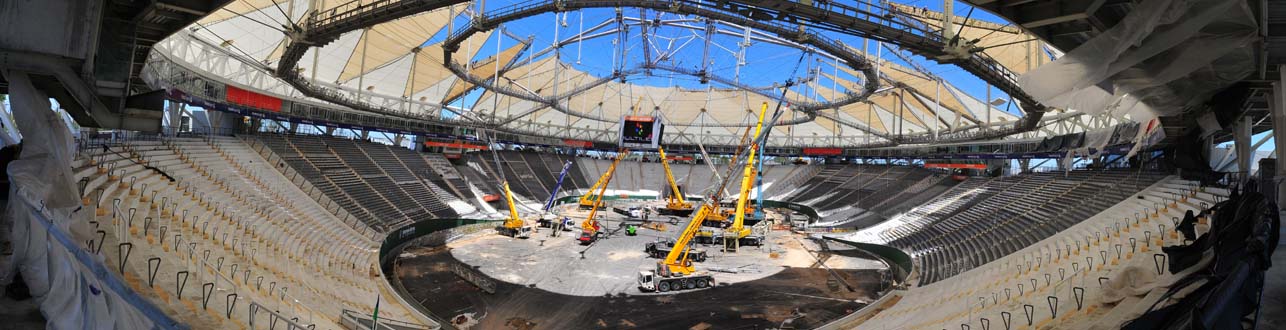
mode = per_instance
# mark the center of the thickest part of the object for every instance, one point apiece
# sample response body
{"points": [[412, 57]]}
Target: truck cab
{"points": [[587, 238], [645, 281]]}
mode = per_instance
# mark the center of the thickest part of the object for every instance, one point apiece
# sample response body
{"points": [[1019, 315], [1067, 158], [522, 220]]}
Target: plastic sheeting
{"points": [[72, 287], [1164, 56]]}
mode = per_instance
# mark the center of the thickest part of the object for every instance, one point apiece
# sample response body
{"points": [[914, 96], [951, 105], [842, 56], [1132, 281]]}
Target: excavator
{"points": [[675, 204], [514, 226], [587, 200], [590, 229]]}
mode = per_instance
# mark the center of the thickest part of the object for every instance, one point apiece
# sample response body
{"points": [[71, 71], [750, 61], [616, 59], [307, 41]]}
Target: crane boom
{"points": [[747, 181], [590, 227], [513, 221], [676, 262], [554, 194], [718, 214], [676, 203], [513, 226], [586, 200]]}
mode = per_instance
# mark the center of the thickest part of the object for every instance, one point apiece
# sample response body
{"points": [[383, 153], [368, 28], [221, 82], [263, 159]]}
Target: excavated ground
{"points": [[542, 283]]}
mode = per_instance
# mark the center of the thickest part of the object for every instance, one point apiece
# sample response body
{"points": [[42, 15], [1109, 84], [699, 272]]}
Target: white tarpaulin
{"points": [[72, 287]]}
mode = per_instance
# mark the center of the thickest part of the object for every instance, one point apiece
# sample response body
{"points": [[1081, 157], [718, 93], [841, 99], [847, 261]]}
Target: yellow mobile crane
{"points": [[675, 204], [737, 231], [589, 227], [719, 217], [587, 200], [676, 271], [514, 226]]}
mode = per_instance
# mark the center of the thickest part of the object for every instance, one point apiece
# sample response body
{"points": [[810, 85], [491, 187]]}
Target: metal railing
{"points": [[90, 266], [361, 321]]}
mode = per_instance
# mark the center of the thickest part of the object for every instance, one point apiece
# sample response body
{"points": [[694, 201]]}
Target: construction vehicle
{"points": [[675, 204], [734, 233], [737, 232], [549, 219], [514, 226], [590, 229], [662, 248], [587, 200], [676, 272]]}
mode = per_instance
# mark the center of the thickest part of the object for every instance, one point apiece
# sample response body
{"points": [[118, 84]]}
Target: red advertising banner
{"points": [[578, 143], [454, 145], [639, 118], [963, 166], [823, 151], [251, 99]]}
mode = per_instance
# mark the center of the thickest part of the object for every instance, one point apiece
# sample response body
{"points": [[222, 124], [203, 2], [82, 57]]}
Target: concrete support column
{"points": [[1241, 143], [419, 142], [215, 119], [175, 111], [222, 122], [294, 127]]}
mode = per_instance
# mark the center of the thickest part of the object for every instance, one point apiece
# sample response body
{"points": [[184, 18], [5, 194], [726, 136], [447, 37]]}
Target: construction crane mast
{"points": [[675, 204], [720, 215]]}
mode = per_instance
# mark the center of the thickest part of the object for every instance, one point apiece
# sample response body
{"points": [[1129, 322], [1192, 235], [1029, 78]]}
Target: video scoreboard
{"points": [[641, 132]]}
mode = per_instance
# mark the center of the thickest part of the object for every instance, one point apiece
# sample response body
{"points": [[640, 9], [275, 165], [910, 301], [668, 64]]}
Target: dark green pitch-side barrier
{"points": [[895, 257], [801, 208], [394, 242], [409, 232]]}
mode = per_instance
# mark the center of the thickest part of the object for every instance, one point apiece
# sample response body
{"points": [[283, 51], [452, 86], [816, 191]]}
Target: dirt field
{"points": [[795, 297]]}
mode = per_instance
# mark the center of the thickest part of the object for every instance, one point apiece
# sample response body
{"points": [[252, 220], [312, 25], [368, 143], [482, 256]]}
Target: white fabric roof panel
{"points": [[381, 58]]}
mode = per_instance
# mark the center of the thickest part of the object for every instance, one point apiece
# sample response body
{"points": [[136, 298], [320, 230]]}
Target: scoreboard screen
{"points": [[641, 131]]}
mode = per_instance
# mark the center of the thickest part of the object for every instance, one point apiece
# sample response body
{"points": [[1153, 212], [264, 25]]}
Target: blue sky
{"points": [[765, 63]]}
